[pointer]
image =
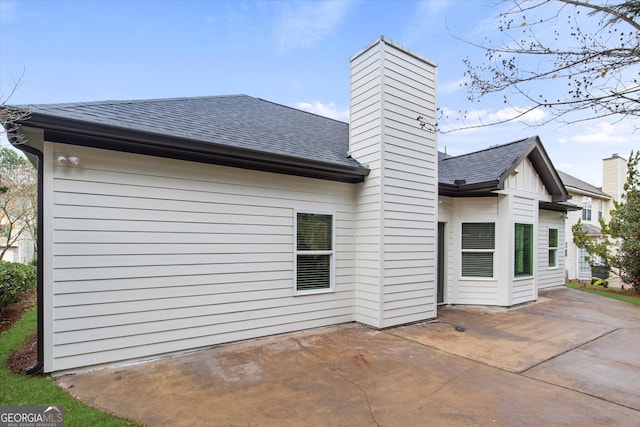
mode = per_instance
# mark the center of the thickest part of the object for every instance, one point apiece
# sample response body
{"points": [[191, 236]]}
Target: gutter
{"points": [[75, 132], [33, 369]]}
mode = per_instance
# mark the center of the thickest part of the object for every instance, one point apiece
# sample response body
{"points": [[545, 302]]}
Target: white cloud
{"points": [[327, 110], [303, 24], [474, 120], [601, 133], [519, 114]]}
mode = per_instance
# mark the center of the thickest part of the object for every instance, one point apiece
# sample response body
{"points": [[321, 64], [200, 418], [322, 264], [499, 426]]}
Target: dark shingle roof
{"points": [[243, 131], [238, 121], [582, 187], [483, 166]]}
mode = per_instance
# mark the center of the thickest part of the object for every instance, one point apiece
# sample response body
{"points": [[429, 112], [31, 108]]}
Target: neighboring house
{"points": [[169, 225], [596, 203], [21, 250]]}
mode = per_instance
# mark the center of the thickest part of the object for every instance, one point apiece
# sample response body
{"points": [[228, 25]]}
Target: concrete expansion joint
{"points": [[341, 375], [555, 356]]}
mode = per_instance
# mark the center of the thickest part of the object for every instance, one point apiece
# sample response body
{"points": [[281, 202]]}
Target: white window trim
{"points": [[557, 248], [332, 253], [492, 251], [533, 251], [587, 206]]}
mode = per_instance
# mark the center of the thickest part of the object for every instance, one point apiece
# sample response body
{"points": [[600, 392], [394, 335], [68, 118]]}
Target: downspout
{"points": [[39, 239]]}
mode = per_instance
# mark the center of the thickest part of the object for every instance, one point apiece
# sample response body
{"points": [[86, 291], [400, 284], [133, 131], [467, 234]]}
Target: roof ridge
{"points": [[64, 105], [493, 147]]}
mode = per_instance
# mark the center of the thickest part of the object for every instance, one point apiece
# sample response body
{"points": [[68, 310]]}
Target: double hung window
{"points": [[586, 208], [478, 247], [315, 253]]}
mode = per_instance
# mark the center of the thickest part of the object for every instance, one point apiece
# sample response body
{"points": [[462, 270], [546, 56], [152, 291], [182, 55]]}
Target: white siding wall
{"points": [[525, 211], [481, 291], [571, 259], [154, 256], [517, 203], [365, 133], [396, 208], [548, 277]]}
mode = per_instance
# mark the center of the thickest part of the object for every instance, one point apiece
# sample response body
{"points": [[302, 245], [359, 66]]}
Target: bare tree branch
{"points": [[590, 64]]}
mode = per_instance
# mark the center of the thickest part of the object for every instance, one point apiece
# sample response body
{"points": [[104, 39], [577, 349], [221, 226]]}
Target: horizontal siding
{"points": [[153, 256], [410, 189], [523, 290], [365, 142], [524, 210], [550, 277]]}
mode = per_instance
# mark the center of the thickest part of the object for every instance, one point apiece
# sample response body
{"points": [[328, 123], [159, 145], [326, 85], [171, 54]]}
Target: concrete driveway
{"points": [[570, 359]]}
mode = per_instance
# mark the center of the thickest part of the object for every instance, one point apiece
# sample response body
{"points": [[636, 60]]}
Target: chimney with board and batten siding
{"points": [[393, 93]]}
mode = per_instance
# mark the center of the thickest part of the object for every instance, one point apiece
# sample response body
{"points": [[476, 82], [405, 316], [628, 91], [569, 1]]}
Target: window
{"points": [[599, 210], [583, 261], [314, 252], [553, 247], [586, 208], [478, 246], [523, 250]]}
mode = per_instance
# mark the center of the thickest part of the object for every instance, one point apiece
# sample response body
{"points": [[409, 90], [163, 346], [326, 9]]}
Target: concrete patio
{"points": [[569, 359]]}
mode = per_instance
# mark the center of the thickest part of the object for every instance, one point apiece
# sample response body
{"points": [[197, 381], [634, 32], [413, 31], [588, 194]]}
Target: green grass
{"points": [[599, 291], [41, 390]]}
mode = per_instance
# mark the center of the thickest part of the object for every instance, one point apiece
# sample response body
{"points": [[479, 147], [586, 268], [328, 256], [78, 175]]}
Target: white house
{"points": [[175, 224], [596, 203]]}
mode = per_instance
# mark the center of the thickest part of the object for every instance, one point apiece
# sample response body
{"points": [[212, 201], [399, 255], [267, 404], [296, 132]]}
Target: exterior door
{"points": [[441, 258]]}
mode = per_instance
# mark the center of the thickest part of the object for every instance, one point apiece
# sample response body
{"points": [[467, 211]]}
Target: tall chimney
{"points": [[392, 130], [614, 175]]}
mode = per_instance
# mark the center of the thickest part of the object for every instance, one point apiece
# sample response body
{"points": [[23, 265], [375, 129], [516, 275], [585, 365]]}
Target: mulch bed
{"points": [[19, 360], [629, 291]]}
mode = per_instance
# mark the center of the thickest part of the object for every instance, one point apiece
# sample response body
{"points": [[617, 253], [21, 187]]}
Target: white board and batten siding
{"points": [[152, 256], [396, 207]]}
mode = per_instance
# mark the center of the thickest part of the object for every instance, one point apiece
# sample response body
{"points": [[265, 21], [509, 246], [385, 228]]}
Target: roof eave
{"points": [[559, 207], [476, 189], [76, 132]]}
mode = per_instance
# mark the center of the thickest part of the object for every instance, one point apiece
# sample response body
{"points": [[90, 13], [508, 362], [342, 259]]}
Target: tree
{"points": [[625, 225], [564, 56], [623, 228], [18, 198], [9, 116]]}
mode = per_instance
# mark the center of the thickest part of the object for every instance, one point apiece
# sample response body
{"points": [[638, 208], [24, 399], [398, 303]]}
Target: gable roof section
{"points": [[576, 185], [485, 171], [235, 130]]}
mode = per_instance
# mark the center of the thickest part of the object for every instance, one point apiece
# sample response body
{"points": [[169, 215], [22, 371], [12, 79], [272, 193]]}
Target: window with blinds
{"points": [[314, 252], [478, 247], [523, 250], [553, 247]]}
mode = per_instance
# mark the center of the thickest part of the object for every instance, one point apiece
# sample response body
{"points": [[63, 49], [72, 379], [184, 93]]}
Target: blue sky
{"points": [[292, 53]]}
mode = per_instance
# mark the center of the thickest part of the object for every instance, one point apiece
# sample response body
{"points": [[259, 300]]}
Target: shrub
{"points": [[15, 281]]}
